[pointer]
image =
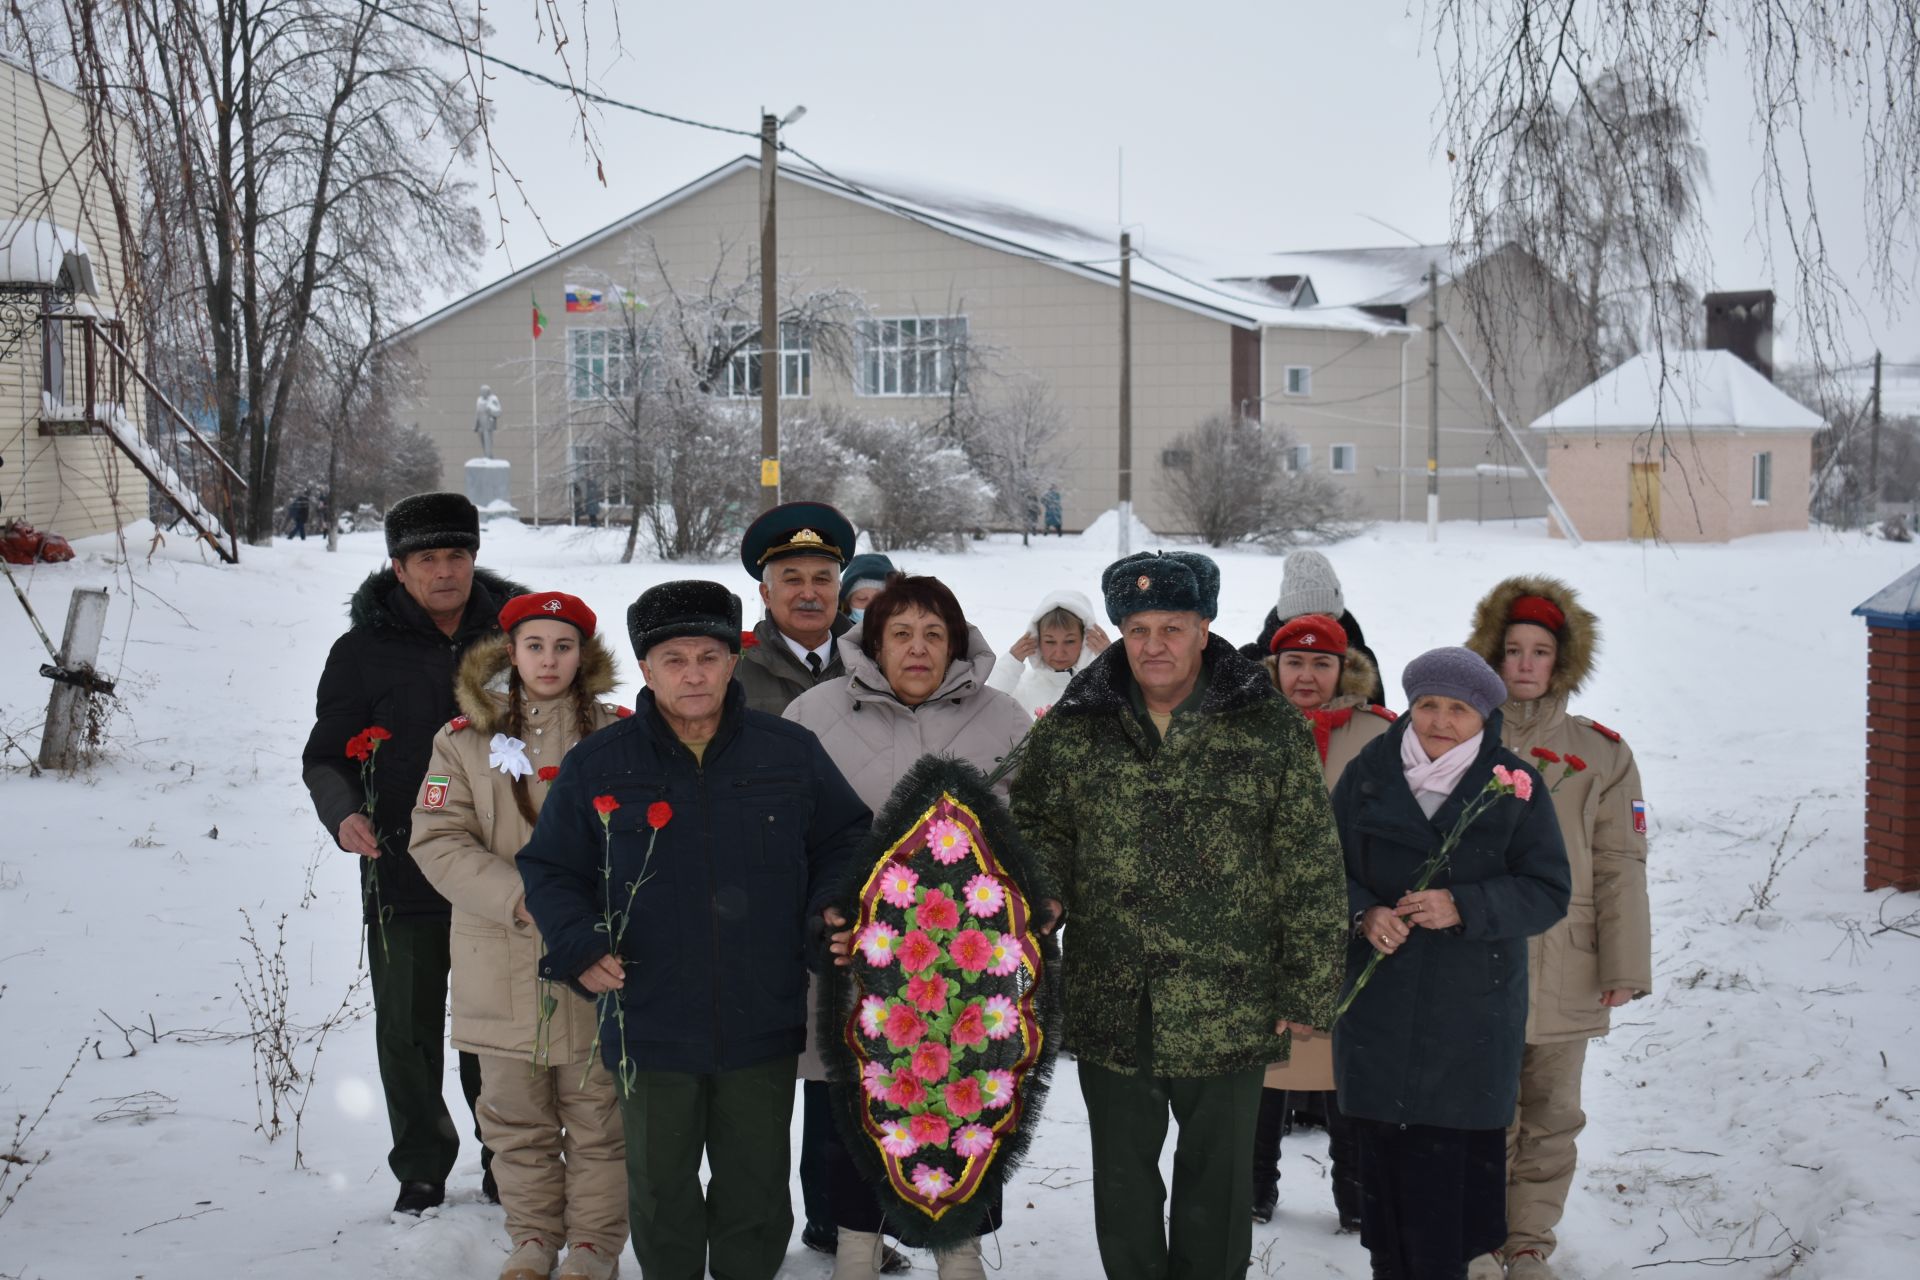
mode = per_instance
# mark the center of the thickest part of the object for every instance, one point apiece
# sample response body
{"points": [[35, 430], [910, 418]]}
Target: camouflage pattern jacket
{"points": [[1202, 873]]}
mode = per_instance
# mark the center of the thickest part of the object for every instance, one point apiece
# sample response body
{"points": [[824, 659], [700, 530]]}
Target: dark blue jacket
{"points": [[760, 835], [1436, 1037]]}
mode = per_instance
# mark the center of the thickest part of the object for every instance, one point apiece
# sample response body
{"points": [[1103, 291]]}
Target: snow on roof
{"points": [[35, 251], [1385, 277], [1697, 390], [1896, 605]]}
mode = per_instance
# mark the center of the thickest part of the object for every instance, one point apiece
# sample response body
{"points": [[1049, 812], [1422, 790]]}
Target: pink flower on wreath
{"points": [[997, 1090], [931, 1061], [907, 1090], [896, 1139], [876, 1080], [973, 1140], [985, 896], [930, 1181], [1006, 955], [963, 1097], [877, 942], [928, 1129], [1001, 1017], [969, 1028], [971, 950], [938, 911], [898, 884], [904, 1026], [927, 992], [947, 841], [917, 951], [873, 1016]]}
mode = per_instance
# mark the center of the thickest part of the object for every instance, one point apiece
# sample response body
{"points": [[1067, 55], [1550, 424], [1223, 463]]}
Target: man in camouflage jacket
{"points": [[1177, 805]]}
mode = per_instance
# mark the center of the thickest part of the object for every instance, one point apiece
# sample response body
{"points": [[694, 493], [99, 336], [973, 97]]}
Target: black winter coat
{"points": [[393, 668], [1355, 638], [1436, 1037], [759, 839]]}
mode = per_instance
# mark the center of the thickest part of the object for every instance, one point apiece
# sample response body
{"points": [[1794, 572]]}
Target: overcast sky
{"points": [[1247, 125]]}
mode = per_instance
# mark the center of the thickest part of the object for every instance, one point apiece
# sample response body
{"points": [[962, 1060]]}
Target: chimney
{"points": [[1743, 324]]}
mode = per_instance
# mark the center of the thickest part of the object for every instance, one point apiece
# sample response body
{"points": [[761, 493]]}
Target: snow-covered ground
{"points": [[1767, 1096]]}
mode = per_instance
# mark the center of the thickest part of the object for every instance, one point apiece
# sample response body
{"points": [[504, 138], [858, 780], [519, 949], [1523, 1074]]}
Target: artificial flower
{"points": [[1001, 1017], [963, 1098], [996, 1090], [973, 1140], [931, 1181], [985, 896], [877, 942], [906, 1090], [927, 992], [947, 841], [896, 1139], [917, 951], [1006, 955], [928, 1129], [938, 911], [876, 1080], [971, 950], [904, 1026], [931, 1061], [969, 1028], [897, 885], [873, 1015], [509, 756]]}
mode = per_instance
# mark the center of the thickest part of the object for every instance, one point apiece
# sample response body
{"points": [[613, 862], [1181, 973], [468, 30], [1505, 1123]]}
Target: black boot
{"points": [[1345, 1159], [417, 1197], [1266, 1153]]}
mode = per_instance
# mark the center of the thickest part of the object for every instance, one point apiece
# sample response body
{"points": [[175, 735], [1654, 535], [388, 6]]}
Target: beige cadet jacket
{"points": [[466, 831], [1605, 941]]}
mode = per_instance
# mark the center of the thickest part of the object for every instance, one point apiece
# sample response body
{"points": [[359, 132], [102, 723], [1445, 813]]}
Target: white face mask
{"points": [[856, 614]]}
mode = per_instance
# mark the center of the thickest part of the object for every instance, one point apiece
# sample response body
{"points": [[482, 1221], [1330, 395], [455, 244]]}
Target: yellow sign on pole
{"points": [[769, 473]]}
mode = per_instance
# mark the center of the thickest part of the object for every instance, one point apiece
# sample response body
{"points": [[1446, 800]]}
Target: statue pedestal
{"points": [[489, 486]]}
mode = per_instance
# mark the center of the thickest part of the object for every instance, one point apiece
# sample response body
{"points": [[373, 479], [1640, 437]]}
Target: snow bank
{"points": [[1104, 534]]}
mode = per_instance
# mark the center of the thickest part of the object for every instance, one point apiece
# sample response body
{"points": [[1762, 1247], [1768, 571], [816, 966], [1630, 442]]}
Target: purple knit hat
{"points": [[1454, 672]]}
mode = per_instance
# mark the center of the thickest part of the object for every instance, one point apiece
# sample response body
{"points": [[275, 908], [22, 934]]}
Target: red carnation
{"points": [[963, 1097], [938, 911], [604, 806], [917, 952], [548, 772], [659, 814], [971, 950], [1541, 753], [931, 1061], [906, 1090], [905, 1027], [377, 734], [970, 1028], [927, 993], [748, 640], [359, 746], [928, 1129], [1575, 763]]}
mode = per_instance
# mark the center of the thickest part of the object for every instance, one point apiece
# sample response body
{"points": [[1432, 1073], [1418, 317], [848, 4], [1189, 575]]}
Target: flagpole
{"points": [[533, 356]]}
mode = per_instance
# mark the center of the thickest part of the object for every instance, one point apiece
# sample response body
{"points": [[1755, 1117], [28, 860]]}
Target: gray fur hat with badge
{"points": [[1174, 581], [430, 522], [688, 607]]}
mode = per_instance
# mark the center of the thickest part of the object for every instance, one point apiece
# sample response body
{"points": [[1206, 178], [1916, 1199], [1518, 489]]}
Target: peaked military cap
{"points": [[796, 529]]}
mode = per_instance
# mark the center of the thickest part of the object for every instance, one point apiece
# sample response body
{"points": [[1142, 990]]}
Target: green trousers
{"points": [[1209, 1233], [409, 977], [738, 1229]]}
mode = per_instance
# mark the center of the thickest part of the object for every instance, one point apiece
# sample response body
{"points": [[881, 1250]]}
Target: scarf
{"points": [[1432, 781], [1324, 722]]}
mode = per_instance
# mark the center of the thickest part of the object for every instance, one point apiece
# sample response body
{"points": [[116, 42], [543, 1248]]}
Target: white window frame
{"points": [[1305, 382], [1763, 478], [911, 356], [742, 380], [1333, 459], [612, 347], [1299, 458]]}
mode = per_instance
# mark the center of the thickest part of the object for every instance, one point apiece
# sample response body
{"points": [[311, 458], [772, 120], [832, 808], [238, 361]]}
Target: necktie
{"points": [[815, 665]]}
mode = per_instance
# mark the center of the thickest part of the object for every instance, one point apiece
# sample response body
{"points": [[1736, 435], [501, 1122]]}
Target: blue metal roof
{"points": [[1895, 606]]}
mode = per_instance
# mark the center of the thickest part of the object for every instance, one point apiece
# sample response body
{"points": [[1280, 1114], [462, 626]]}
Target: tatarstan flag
{"points": [[539, 320]]}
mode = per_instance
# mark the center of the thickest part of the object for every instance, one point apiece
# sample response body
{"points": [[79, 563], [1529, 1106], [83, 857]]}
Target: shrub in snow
{"points": [[919, 493], [1227, 481]]}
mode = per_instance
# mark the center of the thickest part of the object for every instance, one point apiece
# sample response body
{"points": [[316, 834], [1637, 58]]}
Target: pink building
{"points": [[1697, 447]]}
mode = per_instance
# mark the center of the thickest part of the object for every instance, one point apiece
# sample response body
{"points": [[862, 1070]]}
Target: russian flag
{"points": [[582, 298]]}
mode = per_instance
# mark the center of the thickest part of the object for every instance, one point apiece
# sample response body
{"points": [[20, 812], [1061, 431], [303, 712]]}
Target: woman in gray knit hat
{"points": [[1427, 1057], [1308, 584]]}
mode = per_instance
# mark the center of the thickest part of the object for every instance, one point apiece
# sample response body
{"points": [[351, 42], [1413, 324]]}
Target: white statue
{"points": [[486, 419]]}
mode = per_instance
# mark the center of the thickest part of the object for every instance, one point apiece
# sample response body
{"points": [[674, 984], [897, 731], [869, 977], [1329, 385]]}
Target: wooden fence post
{"points": [[65, 738]]}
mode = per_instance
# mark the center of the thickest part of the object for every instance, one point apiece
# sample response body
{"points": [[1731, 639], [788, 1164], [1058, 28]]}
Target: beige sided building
{"points": [[1346, 373], [55, 216]]}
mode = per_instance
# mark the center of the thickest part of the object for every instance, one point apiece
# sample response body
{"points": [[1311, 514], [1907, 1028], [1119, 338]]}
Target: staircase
{"points": [[90, 385]]}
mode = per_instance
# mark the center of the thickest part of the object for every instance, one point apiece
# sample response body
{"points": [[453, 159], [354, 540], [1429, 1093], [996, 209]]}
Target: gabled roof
{"points": [[1392, 276], [1695, 390], [1046, 238]]}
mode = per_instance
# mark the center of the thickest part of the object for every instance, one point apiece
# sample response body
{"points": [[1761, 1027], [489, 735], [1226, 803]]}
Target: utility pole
{"points": [[769, 318], [1433, 402], [1873, 455], [1126, 395]]}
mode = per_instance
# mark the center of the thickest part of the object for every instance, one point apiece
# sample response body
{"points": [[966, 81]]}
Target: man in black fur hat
{"points": [[393, 670]]}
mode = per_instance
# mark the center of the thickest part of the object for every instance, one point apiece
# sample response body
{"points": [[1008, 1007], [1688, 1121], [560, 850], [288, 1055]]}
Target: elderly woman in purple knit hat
{"points": [[1427, 1056]]}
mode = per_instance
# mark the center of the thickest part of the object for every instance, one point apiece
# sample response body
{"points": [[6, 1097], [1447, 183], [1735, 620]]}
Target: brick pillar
{"points": [[1893, 758]]}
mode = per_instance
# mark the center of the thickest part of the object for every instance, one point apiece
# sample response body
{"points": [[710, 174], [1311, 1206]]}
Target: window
{"points": [[1177, 459], [1762, 478], [796, 362], [602, 361], [1299, 457], [1341, 458], [912, 356], [1299, 380]]}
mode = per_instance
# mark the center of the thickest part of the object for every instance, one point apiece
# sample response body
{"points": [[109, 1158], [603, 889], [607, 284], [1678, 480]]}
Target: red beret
{"points": [[1538, 610], [1310, 633], [557, 605]]}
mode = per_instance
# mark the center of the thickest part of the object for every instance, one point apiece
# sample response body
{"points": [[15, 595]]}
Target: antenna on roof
{"points": [[1389, 226]]}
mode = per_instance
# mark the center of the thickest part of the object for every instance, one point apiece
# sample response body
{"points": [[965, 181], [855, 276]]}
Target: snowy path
{"points": [[1768, 1093]]}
